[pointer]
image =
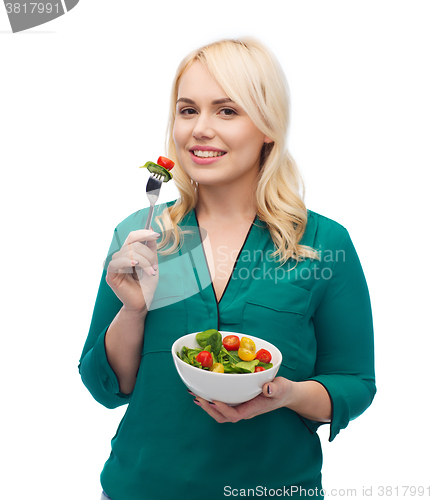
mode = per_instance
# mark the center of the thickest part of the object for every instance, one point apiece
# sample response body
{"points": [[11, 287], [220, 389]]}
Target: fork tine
{"points": [[153, 192], [153, 184]]}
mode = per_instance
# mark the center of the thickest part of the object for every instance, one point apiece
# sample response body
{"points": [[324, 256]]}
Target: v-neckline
{"points": [[218, 301]]}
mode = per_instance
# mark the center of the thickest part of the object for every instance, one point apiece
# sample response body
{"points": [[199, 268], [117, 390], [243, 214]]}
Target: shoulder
{"points": [[325, 223], [322, 231]]}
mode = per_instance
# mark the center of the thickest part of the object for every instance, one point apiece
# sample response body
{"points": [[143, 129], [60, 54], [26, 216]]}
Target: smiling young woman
{"points": [[216, 142], [253, 92], [258, 271]]}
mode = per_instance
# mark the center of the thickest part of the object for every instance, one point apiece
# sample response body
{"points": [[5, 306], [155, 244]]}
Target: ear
{"points": [[267, 140]]}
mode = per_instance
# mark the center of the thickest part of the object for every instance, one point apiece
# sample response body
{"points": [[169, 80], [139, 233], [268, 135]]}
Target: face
{"points": [[216, 141]]}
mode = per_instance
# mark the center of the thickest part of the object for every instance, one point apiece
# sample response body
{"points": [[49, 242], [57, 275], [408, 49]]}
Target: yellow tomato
{"points": [[245, 354], [217, 368], [246, 343], [247, 350]]}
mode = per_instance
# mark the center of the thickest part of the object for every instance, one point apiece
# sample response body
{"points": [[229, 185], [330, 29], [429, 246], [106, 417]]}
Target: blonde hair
{"points": [[251, 76]]}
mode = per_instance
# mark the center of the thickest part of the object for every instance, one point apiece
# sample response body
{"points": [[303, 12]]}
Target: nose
{"points": [[202, 128]]}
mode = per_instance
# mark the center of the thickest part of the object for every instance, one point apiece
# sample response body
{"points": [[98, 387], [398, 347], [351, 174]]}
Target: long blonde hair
{"points": [[251, 76]]}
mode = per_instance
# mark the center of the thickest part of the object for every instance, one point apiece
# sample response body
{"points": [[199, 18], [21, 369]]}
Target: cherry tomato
{"points": [[247, 349], [205, 359], [217, 368], [231, 343], [259, 369], [165, 162], [247, 343], [245, 354], [263, 355]]}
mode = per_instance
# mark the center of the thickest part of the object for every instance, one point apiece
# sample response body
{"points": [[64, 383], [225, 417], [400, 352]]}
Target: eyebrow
{"points": [[217, 101]]}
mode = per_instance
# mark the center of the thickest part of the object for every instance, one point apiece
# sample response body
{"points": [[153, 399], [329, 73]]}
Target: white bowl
{"points": [[230, 388]]}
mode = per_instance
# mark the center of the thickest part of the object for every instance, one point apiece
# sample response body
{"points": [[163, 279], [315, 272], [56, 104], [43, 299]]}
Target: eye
{"points": [[228, 112], [187, 111]]}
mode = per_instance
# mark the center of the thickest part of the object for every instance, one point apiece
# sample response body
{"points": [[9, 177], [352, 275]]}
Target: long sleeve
{"points": [[95, 371], [345, 345]]}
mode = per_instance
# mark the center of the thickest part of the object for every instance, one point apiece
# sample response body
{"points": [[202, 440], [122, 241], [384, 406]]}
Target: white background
{"points": [[84, 102]]}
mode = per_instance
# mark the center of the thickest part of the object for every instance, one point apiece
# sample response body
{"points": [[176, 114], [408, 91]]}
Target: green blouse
{"points": [[317, 313]]}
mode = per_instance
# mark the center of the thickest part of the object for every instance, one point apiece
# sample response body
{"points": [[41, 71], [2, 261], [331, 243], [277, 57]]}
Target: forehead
{"points": [[198, 82]]}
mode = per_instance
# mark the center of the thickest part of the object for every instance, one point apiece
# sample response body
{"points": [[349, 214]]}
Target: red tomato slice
{"points": [[263, 355], [205, 359], [259, 369], [231, 343], [165, 163]]}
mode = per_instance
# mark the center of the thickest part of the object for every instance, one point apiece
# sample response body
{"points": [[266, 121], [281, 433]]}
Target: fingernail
{"points": [[188, 390], [269, 389], [154, 234], [197, 402], [155, 267], [134, 262], [211, 403], [150, 271]]}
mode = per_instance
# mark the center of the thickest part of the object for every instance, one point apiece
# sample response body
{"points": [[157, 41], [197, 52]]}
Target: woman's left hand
{"points": [[274, 395]]}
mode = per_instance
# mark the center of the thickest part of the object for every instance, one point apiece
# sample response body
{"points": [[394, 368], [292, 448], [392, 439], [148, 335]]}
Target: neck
{"points": [[233, 202]]}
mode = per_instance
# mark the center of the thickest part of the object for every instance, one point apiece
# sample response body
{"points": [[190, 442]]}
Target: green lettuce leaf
{"points": [[246, 366], [211, 338]]}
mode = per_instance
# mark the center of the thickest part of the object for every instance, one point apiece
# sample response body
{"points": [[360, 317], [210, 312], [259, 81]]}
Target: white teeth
{"points": [[207, 154]]}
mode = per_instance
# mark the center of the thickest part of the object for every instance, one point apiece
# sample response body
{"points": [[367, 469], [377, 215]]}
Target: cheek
{"points": [[246, 139], [179, 134], [246, 147]]}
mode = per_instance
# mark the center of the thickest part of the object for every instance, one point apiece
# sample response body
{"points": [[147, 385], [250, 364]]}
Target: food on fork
{"points": [[161, 169]]}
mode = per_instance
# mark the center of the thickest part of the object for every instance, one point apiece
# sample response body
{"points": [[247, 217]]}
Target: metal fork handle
{"points": [[150, 214], [147, 226]]}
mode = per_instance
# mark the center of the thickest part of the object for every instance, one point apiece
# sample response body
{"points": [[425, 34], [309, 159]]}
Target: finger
{"points": [[141, 235], [121, 264], [134, 267], [144, 264], [229, 413], [150, 271], [211, 409], [143, 257], [277, 388], [269, 390], [132, 250], [152, 245]]}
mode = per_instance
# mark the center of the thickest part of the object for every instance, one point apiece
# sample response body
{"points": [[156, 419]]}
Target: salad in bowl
{"points": [[225, 366]]}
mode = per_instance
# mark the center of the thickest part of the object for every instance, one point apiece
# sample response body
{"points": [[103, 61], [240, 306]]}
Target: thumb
{"points": [[152, 245], [275, 388]]}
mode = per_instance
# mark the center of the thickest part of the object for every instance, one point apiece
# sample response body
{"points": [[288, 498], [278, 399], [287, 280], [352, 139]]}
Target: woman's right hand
{"points": [[135, 289]]}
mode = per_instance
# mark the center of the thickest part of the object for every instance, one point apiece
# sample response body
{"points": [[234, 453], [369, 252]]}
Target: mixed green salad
{"points": [[228, 355]]}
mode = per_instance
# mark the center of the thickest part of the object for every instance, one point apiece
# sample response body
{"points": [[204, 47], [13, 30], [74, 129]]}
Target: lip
{"points": [[205, 161], [206, 148]]}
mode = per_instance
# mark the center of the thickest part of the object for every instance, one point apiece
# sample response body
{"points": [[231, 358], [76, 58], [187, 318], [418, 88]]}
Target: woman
{"points": [[239, 252]]}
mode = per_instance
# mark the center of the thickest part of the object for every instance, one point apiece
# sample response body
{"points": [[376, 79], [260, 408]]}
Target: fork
{"points": [[153, 192]]}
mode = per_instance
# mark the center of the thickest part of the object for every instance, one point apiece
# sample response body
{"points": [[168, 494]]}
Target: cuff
{"points": [[340, 409], [99, 378]]}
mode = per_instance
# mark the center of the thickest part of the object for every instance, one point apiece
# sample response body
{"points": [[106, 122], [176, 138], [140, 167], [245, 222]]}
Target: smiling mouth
{"points": [[207, 154]]}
